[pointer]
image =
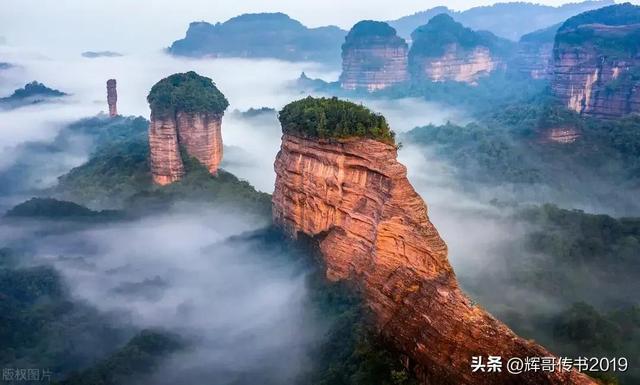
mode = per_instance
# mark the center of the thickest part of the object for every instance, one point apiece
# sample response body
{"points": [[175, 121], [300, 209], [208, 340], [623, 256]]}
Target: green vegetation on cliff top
{"points": [[186, 92], [368, 30], [332, 118], [613, 30], [432, 39]]}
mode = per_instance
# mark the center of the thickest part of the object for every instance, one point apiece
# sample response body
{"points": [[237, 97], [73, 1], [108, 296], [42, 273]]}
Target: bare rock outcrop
{"points": [[186, 116], [596, 62], [373, 57], [444, 50], [112, 97], [352, 195]]}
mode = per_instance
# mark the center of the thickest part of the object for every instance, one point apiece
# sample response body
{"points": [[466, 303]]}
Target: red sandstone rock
{"points": [[201, 136], [166, 162], [112, 97], [373, 230]]}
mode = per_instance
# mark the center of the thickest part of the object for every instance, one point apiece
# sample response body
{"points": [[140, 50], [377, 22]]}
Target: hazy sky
{"points": [[127, 24]]}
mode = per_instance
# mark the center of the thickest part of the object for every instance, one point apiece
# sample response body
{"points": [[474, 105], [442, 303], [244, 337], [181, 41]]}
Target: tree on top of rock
{"points": [[369, 30], [186, 92], [332, 118]]}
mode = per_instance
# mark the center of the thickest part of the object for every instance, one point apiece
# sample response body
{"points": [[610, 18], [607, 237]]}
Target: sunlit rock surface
{"points": [[186, 115], [445, 50], [373, 230]]}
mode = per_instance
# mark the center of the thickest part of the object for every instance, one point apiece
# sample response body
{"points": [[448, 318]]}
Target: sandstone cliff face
{"points": [[373, 68], [166, 162], [112, 97], [186, 115], [534, 60], [373, 230], [373, 57], [457, 65], [199, 134], [590, 79]]}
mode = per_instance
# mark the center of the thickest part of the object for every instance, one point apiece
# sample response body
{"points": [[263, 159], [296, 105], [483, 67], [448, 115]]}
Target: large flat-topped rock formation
{"points": [[373, 57], [186, 116]]}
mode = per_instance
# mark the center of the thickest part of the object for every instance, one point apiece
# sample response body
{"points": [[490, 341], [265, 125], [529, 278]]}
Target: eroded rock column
{"points": [[112, 97]]}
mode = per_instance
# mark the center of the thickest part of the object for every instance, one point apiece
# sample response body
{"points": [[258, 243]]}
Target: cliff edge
{"points": [[346, 189]]}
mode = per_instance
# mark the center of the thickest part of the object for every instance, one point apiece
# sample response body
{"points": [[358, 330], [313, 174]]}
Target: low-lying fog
{"points": [[251, 142], [247, 307], [245, 83], [241, 303]]}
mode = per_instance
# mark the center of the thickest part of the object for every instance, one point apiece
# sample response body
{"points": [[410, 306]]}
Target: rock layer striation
{"points": [[186, 116], [373, 230], [596, 66], [457, 65], [445, 50], [373, 57]]}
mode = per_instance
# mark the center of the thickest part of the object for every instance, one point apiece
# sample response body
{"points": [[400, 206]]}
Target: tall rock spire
{"points": [[112, 97], [186, 116]]}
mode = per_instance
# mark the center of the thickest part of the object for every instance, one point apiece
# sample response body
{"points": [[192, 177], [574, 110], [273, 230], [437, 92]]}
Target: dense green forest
{"points": [[366, 31], [186, 92], [569, 282], [432, 39], [117, 174], [33, 89], [31, 93], [332, 118], [43, 327]]}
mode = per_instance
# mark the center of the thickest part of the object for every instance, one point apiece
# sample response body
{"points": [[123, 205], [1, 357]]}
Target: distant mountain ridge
{"points": [[261, 35], [31, 93], [508, 20]]}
